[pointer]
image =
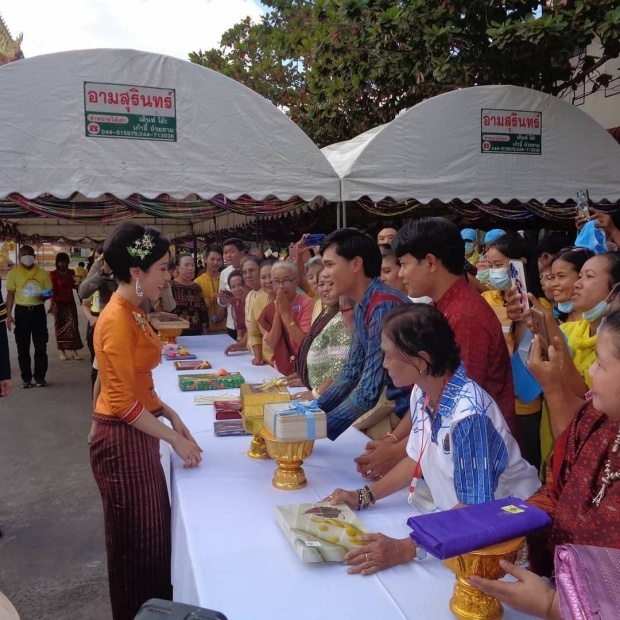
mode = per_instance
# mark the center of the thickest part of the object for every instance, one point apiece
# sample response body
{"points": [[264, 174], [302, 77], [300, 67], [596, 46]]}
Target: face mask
{"points": [[565, 307], [469, 247], [483, 276], [499, 279], [27, 261], [601, 308]]}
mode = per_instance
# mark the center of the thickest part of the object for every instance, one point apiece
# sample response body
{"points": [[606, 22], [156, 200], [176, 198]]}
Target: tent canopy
{"points": [[487, 143], [124, 122]]}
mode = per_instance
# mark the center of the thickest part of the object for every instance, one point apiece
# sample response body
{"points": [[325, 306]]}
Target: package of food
{"points": [[212, 381], [254, 396], [320, 532], [295, 421], [227, 409]]}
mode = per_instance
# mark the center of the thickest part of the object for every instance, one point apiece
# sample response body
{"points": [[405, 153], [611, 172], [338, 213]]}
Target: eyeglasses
{"points": [[286, 282]]}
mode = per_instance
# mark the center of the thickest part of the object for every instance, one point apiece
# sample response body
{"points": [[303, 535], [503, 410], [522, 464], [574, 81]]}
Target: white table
{"points": [[230, 555]]}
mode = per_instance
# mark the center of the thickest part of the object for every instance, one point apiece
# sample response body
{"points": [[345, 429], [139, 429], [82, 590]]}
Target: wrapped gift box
{"points": [[295, 421], [254, 397], [192, 365], [227, 409], [320, 532], [213, 381], [177, 355]]}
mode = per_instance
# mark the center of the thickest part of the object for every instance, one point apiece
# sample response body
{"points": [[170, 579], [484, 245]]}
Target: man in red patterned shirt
{"points": [[432, 254]]}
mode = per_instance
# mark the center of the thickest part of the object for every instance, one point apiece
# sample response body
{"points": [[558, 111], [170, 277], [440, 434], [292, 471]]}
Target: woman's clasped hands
{"points": [[184, 443]]}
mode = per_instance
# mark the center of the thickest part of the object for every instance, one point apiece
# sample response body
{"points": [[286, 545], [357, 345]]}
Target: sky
{"points": [[173, 27]]}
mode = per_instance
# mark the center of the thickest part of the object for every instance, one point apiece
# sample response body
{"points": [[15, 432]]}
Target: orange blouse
{"points": [[127, 350]]}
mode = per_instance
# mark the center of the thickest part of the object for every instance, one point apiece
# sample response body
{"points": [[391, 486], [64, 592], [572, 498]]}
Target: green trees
{"points": [[340, 67]]}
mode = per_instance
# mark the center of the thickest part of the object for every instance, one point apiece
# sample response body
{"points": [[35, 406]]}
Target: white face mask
{"points": [[27, 261]]}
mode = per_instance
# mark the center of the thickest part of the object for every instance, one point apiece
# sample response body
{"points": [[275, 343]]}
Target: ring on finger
{"points": [[367, 560]]}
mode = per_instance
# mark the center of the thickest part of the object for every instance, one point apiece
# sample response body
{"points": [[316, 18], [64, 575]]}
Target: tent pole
{"points": [[195, 247], [337, 215], [344, 214]]}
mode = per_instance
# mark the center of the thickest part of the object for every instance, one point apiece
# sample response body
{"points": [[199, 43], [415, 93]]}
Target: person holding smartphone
{"points": [[500, 253]]}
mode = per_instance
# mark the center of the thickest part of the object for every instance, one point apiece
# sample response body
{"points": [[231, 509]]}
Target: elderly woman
{"points": [[287, 318], [326, 347], [190, 303], [582, 493], [456, 429]]}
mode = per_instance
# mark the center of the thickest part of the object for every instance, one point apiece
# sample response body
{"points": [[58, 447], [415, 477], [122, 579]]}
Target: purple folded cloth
{"points": [[455, 532], [588, 582]]}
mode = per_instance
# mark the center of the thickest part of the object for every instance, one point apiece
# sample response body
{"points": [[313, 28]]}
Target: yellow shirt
{"points": [[249, 300], [27, 284], [80, 272], [210, 287], [317, 310], [582, 346], [255, 331], [474, 258], [496, 300]]}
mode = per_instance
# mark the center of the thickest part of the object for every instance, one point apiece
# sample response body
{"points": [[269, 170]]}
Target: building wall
{"points": [[604, 104]]}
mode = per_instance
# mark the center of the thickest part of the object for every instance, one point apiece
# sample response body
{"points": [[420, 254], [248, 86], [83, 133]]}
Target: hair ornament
{"points": [[141, 248]]}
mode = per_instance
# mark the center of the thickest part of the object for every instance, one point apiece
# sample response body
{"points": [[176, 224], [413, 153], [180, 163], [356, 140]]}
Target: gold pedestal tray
{"points": [[468, 603], [168, 326], [254, 425], [289, 474]]}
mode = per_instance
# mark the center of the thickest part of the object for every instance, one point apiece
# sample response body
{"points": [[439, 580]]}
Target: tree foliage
{"points": [[340, 67]]}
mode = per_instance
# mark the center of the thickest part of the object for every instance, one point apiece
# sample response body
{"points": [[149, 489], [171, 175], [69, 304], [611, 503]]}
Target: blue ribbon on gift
{"points": [[299, 408]]}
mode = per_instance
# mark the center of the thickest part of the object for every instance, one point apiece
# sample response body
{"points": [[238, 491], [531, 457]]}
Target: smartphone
{"points": [[516, 271], [539, 322], [313, 240], [583, 202]]}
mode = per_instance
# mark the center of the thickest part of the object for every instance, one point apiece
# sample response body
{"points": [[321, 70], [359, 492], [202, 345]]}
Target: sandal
{"points": [[63, 357], [75, 355]]}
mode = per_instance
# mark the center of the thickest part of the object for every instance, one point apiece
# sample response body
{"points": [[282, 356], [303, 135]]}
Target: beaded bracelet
{"points": [[365, 498]]}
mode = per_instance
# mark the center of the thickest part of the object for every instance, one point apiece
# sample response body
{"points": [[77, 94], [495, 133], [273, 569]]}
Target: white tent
{"points": [[485, 142], [125, 122]]}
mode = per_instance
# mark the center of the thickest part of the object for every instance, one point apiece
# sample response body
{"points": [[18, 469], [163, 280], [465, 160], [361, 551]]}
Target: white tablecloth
{"points": [[230, 555]]}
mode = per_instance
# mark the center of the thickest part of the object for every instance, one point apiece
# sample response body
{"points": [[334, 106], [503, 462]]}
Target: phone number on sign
{"points": [[137, 134]]}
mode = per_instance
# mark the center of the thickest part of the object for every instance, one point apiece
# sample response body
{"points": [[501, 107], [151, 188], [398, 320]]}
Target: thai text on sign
{"points": [[130, 112], [511, 131]]}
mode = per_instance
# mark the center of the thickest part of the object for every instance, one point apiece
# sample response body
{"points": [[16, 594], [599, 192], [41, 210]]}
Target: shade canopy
{"points": [[124, 122], [487, 143]]}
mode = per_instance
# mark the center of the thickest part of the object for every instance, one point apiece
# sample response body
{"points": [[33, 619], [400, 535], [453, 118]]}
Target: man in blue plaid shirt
{"points": [[352, 262]]}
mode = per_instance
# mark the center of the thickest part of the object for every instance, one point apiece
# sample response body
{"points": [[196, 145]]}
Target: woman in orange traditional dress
{"points": [[124, 451]]}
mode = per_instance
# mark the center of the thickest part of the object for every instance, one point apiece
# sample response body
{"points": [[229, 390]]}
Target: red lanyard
{"points": [[418, 466]]}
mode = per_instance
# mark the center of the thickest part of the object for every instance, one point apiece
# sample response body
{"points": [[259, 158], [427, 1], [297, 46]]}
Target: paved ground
{"points": [[52, 554]]}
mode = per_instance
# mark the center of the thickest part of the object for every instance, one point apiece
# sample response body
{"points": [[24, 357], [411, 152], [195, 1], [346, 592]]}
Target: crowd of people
{"points": [[420, 337]]}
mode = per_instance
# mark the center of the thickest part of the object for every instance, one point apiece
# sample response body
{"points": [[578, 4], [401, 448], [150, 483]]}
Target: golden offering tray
{"points": [[169, 326], [468, 603], [289, 475]]}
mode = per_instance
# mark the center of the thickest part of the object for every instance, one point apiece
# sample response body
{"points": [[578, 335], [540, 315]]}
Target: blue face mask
{"points": [[499, 279], [594, 314], [566, 307], [601, 308], [483, 275], [469, 247]]}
